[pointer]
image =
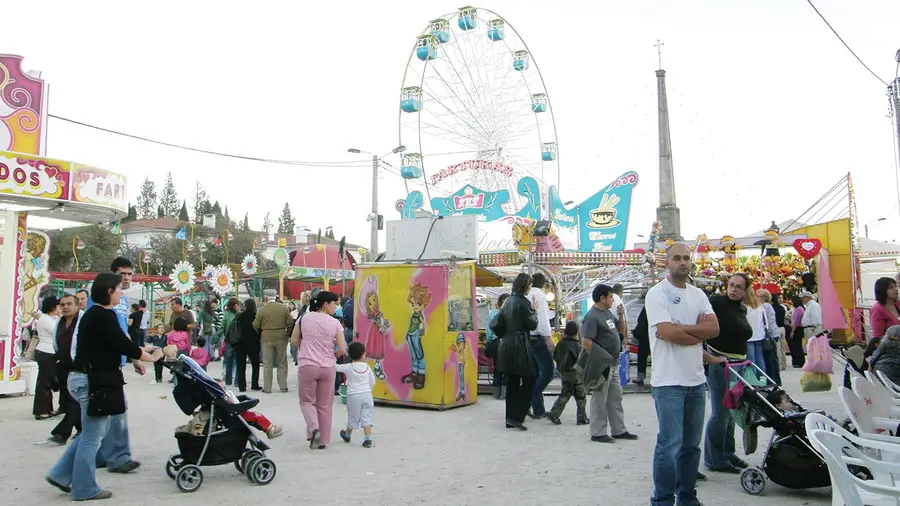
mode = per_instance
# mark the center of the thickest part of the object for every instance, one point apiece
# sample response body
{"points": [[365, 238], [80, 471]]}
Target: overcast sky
{"points": [[768, 110]]}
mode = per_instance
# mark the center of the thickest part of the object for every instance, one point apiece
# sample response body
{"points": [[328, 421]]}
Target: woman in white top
{"points": [[45, 355], [755, 318]]}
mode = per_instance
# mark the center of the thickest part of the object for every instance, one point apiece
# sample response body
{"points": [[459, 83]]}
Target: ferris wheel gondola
{"points": [[474, 111]]}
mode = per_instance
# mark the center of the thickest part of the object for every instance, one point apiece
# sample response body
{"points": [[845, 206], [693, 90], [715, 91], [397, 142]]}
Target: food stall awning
{"points": [[309, 274], [486, 277]]}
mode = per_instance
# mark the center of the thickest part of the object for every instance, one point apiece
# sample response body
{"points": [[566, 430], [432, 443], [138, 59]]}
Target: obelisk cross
{"points": [[659, 44]]}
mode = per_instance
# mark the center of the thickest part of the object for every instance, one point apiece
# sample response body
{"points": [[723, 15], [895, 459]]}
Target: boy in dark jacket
{"points": [[566, 355]]}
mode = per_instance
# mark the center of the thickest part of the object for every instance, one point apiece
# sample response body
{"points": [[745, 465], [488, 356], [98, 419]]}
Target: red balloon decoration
{"points": [[808, 248]]}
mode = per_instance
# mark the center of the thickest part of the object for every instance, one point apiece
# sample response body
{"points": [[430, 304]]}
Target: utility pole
{"points": [[894, 94], [373, 247]]}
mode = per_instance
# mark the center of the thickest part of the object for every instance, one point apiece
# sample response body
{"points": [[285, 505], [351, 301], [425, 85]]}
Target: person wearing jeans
{"points": [[676, 458], [680, 319], [541, 344], [730, 344]]}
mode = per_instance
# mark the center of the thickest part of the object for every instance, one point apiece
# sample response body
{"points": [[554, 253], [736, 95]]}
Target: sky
{"points": [[767, 109]]}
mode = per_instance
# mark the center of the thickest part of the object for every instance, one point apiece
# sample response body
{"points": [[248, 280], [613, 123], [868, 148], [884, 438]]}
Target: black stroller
{"points": [[790, 460], [226, 436]]}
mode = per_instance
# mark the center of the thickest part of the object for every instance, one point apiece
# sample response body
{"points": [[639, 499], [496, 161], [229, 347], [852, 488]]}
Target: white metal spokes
{"points": [[477, 106]]}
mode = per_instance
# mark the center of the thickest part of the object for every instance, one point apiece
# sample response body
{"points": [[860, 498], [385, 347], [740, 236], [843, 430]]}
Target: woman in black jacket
{"points": [[247, 348], [513, 326]]}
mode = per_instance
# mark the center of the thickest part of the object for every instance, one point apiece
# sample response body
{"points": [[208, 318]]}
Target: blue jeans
{"points": [[77, 467], [545, 374], [229, 362], [676, 459], [718, 446], [755, 354], [416, 353]]}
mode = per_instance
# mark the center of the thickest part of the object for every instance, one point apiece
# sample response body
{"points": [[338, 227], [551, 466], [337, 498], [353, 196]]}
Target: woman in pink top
{"points": [[318, 333], [885, 313]]}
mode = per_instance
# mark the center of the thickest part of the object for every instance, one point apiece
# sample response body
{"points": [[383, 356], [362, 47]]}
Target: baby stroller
{"points": [[790, 460], [226, 436]]}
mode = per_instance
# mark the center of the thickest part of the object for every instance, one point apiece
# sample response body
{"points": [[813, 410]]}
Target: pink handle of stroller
{"points": [[728, 366]]}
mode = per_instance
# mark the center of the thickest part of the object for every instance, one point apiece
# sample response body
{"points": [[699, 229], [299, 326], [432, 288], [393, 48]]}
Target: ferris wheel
{"points": [[474, 110]]}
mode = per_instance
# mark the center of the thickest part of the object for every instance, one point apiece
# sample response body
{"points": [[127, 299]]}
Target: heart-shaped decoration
{"points": [[51, 171], [808, 248]]}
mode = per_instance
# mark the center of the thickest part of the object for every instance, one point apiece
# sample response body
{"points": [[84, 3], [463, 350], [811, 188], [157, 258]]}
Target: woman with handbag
{"points": [[498, 386], [513, 326], [45, 356], [96, 382]]}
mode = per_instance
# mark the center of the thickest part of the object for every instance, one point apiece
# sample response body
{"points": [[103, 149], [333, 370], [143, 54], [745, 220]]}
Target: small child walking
{"points": [[360, 381], [566, 355]]}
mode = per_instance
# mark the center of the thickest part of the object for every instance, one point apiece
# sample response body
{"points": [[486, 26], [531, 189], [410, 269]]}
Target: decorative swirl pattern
{"points": [[629, 178], [20, 90]]}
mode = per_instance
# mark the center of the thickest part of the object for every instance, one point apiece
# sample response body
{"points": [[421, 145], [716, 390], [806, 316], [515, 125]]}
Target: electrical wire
{"points": [[845, 44], [427, 237], [349, 163]]}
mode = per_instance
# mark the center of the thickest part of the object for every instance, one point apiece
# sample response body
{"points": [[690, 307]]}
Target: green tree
{"points": [[160, 212], [216, 209], [132, 214], [198, 201], [227, 218], [246, 225], [267, 223], [101, 246], [146, 201], [286, 221], [183, 213], [168, 198]]}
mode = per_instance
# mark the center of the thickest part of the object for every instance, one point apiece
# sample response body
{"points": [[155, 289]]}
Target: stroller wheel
{"points": [[753, 480], [262, 471], [241, 465], [189, 478], [173, 464]]}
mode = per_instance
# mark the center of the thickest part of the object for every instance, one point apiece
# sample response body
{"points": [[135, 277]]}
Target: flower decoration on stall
{"points": [[209, 272], [249, 265], [222, 281], [182, 277]]}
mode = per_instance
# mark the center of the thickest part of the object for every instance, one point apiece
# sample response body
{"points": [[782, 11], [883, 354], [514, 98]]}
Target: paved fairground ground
{"points": [[458, 457]]}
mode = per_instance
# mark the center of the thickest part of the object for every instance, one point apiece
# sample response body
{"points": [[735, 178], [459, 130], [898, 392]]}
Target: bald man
{"points": [[680, 318]]}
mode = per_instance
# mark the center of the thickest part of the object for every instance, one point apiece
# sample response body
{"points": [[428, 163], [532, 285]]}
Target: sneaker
{"points": [[602, 439], [515, 425], [58, 439], [274, 431], [314, 439], [554, 420], [345, 436], [627, 436], [103, 494], [368, 443], [155, 382], [638, 381], [738, 462], [60, 486], [701, 476], [726, 470], [125, 468], [583, 422]]}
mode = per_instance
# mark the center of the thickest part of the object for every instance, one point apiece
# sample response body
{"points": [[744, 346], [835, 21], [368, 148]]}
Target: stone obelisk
{"points": [[668, 214]]}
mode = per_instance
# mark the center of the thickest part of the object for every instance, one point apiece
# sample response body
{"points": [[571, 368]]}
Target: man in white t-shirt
{"points": [[541, 345], [812, 316], [680, 318]]}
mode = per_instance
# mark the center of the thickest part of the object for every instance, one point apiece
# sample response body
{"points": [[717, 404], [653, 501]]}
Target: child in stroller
{"points": [[227, 438], [789, 460], [256, 420]]}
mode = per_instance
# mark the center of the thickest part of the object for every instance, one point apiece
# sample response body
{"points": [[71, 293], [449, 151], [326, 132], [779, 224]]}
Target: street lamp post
{"points": [[867, 225], [373, 216]]}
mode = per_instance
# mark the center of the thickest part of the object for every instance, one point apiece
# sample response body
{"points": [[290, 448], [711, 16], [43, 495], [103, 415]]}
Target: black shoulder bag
{"points": [[106, 393]]}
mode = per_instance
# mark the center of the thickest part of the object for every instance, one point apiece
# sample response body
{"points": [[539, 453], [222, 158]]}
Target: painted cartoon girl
{"points": [[377, 337], [460, 349], [418, 299]]}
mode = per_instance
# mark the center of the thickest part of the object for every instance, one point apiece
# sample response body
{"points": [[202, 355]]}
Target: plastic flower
{"points": [[222, 280], [249, 265], [182, 277]]}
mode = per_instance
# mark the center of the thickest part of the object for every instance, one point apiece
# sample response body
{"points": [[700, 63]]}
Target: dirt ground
{"points": [[458, 457]]}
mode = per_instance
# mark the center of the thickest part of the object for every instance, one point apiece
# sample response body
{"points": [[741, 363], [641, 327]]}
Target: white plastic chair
{"points": [[871, 376], [867, 424], [854, 491], [881, 402], [879, 450], [890, 385]]}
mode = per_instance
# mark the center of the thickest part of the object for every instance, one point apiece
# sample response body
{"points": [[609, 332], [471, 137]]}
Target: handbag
{"points": [[106, 393], [492, 349]]}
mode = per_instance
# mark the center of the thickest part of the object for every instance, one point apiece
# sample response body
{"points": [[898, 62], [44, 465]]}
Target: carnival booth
{"points": [[32, 185], [417, 320]]}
